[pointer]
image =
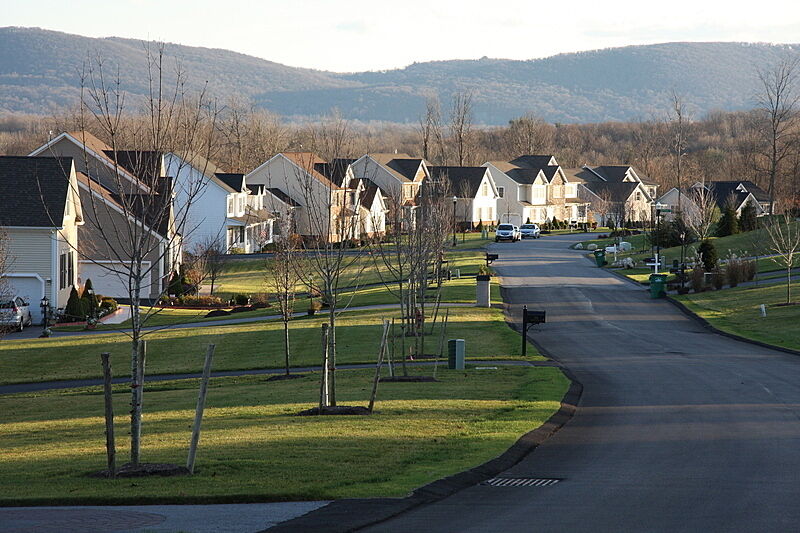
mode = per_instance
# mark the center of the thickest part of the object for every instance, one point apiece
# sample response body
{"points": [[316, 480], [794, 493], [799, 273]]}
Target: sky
{"points": [[358, 35]]}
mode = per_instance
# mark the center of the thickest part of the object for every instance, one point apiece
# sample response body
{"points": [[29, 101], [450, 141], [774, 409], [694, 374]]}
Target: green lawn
{"points": [[737, 311], [253, 447], [243, 346]]}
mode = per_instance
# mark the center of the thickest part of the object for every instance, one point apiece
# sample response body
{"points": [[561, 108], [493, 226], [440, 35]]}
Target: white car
{"points": [[530, 230], [506, 232], [15, 313]]}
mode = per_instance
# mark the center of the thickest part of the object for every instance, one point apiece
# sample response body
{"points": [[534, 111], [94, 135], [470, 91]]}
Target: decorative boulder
{"points": [[592, 247], [579, 246]]}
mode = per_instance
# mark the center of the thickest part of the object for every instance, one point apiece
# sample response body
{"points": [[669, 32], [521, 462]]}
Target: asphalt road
{"points": [[678, 429]]}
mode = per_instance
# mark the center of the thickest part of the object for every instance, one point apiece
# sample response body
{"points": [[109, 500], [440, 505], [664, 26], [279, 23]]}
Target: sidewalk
{"points": [[239, 518]]}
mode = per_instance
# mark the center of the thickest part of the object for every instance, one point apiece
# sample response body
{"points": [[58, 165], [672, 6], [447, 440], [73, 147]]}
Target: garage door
{"points": [[30, 289], [107, 282]]}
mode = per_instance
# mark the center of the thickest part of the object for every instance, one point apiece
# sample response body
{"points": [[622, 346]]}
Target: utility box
{"points": [[456, 349], [483, 291]]}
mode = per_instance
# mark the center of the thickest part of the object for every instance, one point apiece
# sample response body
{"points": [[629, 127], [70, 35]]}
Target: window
{"points": [[558, 191], [491, 213], [66, 270], [230, 206], [501, 192], [62, 271], [538, 192], [638, 196], [485, 189], [241, 204]]}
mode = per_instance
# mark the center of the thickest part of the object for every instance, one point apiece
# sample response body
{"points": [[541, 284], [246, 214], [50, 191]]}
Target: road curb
{"points": [[353, 514], [706, 324], [348, 515]]}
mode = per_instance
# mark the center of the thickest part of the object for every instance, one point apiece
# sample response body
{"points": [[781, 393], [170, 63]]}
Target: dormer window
{"points": [[485, 189]]}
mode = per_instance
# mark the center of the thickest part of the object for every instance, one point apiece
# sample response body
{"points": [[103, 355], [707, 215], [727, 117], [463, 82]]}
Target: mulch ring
{"points": [[145, 469], [282, 377], [336, 410], [408, 379]]}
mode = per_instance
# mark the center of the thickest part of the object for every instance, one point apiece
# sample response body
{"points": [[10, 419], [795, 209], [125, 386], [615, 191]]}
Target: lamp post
{"points": [[91, 320], [44, 304], [683, 259], [455, 201]]}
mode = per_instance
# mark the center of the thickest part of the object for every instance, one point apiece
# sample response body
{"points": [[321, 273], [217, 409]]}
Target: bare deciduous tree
{"points": [[283, 276], [529, 134], [783, 240], [461, 127], [701, 213], [147, 233], [778, 110], [210, 260], [678, 142]]}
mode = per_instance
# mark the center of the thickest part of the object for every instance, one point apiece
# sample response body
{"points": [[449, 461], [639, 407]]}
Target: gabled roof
{"points": [[401, 166], [283, 197], [368, 194], [618, 191], [308, 161], [33, 190], [233, 180], [523, 176], [580, 175], [144, 164], [550, 172], [747, 186], [612, 173], [335, 171], [534, 161], [726, 191], [463, 180]]}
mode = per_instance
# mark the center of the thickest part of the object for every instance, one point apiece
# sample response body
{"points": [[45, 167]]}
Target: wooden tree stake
{"points": [[111, 449], [201, 404]]}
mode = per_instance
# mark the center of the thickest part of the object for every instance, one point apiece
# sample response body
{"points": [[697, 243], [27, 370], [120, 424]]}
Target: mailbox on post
{"points": [[530, 318], [490, 258]]}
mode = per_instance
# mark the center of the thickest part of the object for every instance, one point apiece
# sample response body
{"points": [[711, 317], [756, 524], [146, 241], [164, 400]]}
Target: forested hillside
{"points": [[40, 73]]}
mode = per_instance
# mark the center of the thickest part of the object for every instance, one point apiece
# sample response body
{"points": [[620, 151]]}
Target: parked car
{"points": [[530, 230], [506, 232], [15, 313]]}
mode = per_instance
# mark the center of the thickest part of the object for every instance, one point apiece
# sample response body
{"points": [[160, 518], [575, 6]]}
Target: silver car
{"points": [[506, 232], [15, 313], [530, 230]]}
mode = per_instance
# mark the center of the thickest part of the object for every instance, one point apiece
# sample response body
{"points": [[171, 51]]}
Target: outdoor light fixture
{"points": [[45, 305], [455, 201]]}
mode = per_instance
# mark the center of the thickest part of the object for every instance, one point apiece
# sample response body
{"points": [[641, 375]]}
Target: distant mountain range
{"points": [[40, 73]]}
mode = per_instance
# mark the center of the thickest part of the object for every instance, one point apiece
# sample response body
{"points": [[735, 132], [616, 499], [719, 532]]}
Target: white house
{"points": [[475, 192], [40, 213], [521, 192]]}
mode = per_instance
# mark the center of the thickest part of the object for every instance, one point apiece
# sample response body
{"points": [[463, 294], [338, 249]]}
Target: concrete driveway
{"points": [[678, 429]]}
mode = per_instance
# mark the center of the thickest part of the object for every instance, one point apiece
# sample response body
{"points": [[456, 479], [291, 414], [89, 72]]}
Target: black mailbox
{"points": [[530, 318], [536, 317], [490, 258]]}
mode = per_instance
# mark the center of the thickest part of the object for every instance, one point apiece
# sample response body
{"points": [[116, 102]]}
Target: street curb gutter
{"points": [[352, 514], [706, 324]]}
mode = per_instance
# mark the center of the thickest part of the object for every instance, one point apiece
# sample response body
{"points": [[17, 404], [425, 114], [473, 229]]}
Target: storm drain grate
{"points": [[520, 482]]}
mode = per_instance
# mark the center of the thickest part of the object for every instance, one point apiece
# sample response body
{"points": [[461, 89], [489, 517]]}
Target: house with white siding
{"points": [[40, 214], [521, 192], [475, 193]]}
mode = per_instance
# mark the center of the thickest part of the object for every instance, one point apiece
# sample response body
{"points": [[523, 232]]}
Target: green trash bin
{"points": [[658, 284], [600, 257]]}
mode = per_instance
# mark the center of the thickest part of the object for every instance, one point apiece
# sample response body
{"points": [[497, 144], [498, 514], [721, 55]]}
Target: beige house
{"points": [[40, 214], [322, 209]]}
